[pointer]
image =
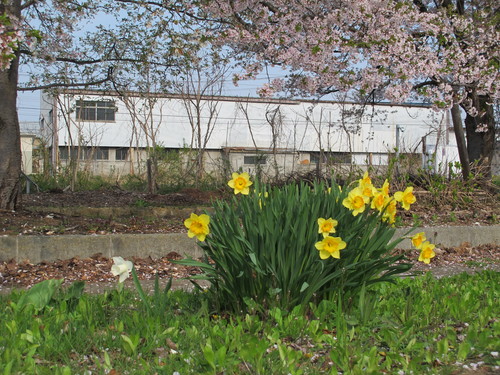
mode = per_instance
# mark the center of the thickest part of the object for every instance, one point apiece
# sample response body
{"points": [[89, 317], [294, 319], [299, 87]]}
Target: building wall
{"points": [[289, 132], [27, 153]]}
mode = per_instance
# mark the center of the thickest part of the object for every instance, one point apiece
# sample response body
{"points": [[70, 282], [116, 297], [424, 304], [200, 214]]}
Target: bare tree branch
{"points": [[79, 84], [27, 4], [97, 61]]}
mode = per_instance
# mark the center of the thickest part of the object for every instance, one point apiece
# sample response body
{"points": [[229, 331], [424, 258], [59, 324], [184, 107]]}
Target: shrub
{"points": [[288, 246]]}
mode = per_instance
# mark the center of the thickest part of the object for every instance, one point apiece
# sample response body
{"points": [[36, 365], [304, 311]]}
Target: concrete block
{"points": [[154, 245], [49, 248], [8, 248], [455, 235]]}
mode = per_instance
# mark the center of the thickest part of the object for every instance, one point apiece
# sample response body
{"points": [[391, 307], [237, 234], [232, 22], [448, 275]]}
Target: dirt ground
{"points": [[38, 214], [38, 217]]}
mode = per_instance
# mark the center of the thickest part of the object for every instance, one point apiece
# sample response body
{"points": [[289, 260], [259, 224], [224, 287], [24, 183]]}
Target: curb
{"points": [[36, 249]]}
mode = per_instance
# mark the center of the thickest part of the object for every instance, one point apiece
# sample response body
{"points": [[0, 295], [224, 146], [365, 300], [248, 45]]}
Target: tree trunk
{"points": [[10, 139], [481, 144], [460, 137]]}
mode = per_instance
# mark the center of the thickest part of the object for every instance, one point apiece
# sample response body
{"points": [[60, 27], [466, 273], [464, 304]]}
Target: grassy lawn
{"points": [[420, 326]]}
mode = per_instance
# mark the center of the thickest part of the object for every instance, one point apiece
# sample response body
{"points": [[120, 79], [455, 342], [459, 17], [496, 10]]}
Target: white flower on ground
{"points": [[121, 268]]}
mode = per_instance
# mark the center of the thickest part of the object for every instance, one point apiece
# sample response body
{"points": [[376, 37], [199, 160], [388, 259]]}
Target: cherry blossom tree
{"points": [[47, 37], [444, 51], [10, 143]]}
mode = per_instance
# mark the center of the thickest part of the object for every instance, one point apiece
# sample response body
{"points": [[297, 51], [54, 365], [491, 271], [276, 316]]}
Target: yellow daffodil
{"points": [[326, 226], [390, 212], [356, 201], [368, 190], [198, 226], [385, 188], [427, 252], [121, 268], [418, 240], [330, 246], [379, 201], [366, 179], [240, 183], [405, 197], [365, 184]]}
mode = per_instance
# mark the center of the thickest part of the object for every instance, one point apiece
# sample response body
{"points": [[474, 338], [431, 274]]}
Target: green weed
{"points": [[389, 328]]}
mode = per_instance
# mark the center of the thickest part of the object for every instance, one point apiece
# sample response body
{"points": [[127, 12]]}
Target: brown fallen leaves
{"points": [[94, 269]]}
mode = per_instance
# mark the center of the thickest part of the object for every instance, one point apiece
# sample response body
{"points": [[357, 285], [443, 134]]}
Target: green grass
{"points": [[424, 325]]}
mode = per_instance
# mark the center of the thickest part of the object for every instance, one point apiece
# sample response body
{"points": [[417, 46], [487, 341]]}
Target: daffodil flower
{"points": [[240, 183], [418, 240], [198, 226], [405, 197], [330, 247], [427, 252], [385, 188], [368, 190], [390, 212], [121, 268], [366, 179], [365, 184], [379, 201], [356, 201], [326, 226]]}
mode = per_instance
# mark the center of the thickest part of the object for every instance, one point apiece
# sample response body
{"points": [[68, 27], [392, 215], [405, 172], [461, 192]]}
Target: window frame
{"points": [[95, 110], [100, 153], [331, 157], [124, 150], [257, 159]]}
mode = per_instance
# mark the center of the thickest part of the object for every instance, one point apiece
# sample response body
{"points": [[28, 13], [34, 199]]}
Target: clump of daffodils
{"points": [[362, 197], [366, 195]]}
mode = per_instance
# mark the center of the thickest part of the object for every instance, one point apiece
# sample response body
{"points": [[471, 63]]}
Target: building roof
{"points": [[244, 99]]}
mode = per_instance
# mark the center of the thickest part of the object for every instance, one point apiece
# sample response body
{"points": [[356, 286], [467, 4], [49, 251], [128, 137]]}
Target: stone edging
{"points": [[49, 248]]}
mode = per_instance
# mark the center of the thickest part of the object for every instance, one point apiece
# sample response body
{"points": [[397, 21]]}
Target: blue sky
{"points": [[28, 103]]}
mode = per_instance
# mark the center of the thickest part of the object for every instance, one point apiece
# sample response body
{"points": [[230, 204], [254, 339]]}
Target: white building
{"points": [[30, 143], [110, 133]]}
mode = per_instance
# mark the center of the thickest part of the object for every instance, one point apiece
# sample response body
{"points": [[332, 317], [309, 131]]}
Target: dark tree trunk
{"points": [[10, 139], [481, 136], [460, 137]]}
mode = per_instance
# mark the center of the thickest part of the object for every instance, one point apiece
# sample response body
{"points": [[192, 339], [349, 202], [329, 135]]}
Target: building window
{"points": [[121, 154], [332, 158], [66, 153], [101, 154], [255, 159], [92, 110]]}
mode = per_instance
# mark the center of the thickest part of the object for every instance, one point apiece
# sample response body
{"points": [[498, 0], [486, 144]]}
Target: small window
{"points": [[332, 158], [101, 154], [255, 159], [121, 154], [66, 153], [91, 110]]}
